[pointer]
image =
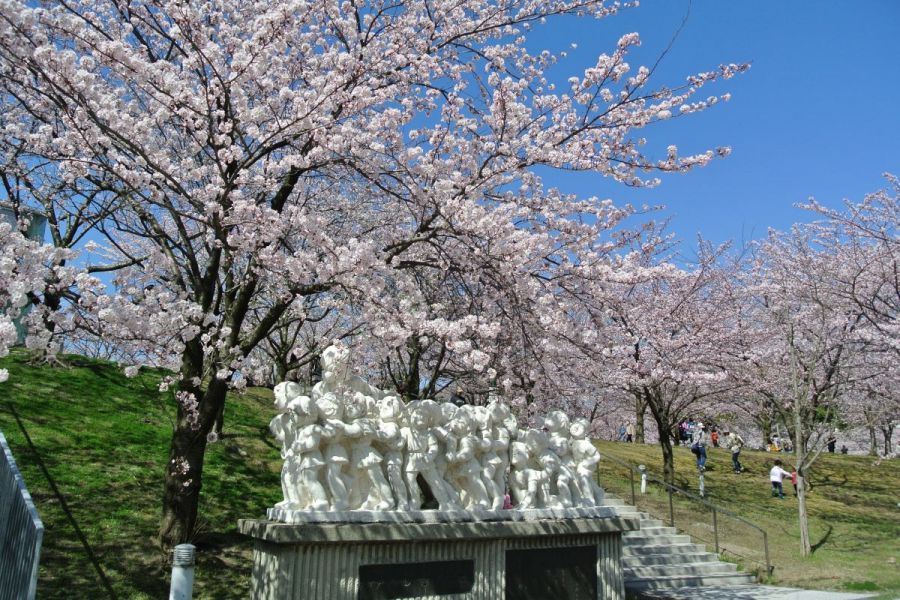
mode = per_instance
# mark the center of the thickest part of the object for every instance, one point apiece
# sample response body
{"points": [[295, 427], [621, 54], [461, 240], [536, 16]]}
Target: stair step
{"points": [[682, 570], [652, 530], [645, 523], [655, 583], [607, 501], [641, 540], [670, 558], [651, 549]]}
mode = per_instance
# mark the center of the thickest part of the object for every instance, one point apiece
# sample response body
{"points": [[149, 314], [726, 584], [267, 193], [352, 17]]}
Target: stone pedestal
{"points": [[572, 558]]}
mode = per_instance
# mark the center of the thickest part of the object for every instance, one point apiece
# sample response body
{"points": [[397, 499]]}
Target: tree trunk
{"points": [[665, 443], [764, 419], [182, 487], [219, 425], [800, 452], [281, 370], [805, 546], [184, 470], [660, 411], [887, 431], [873, 441], [640, 409]]}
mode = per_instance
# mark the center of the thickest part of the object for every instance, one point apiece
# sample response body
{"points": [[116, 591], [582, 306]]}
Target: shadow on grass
{"points": [[826, 481], [820, 543], [63, 505]]}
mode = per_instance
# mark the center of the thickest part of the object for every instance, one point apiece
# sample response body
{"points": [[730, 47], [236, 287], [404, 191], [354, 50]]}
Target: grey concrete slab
{"points": [[743, 592]]}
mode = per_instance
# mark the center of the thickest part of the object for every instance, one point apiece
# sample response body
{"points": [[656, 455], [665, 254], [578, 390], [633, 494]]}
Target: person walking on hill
{"points": [[699, 441], [629, 433], [622, 432], [776, 476], [734, 442], [714, 438]]}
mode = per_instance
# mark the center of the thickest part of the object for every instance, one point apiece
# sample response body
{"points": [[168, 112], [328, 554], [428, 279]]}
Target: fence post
{"points": [[643, 469], [671, 508], [633, 501], [769, 567], [716, 529], [182, 586]]}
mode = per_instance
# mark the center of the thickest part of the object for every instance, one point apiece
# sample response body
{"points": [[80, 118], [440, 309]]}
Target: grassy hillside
{"points": [[97, 443], [102, 440]]}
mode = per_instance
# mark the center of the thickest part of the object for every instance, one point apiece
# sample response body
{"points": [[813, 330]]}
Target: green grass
{"points": [[854, 518], [103, 441]]}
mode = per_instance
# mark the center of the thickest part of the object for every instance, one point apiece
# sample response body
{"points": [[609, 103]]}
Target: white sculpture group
{"points": [[350, 446]]}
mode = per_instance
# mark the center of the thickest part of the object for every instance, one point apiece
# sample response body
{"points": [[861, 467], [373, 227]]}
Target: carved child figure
{"points": [[284, 432], [331, 408], [391, 416], [421, 451], [529, 477], [362, 431], [586, 457], [336, 376], [463, 466], [307, 457], [494, 447], [563, 484]]}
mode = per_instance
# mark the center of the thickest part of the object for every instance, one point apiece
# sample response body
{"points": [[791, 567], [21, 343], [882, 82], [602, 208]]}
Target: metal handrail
{"points": [[672, 489]]}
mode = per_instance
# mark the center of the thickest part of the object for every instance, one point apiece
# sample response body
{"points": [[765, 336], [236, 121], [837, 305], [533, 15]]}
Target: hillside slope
{"points": [[102, 440], [92, 446]]}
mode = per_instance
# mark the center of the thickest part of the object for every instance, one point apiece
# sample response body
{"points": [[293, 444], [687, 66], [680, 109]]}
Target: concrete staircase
{"points": [[656, 556]]}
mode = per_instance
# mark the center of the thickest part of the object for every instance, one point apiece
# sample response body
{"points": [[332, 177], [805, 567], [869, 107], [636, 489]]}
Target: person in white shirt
{"points": [[699, 440], [776, 475], [734, 442]]}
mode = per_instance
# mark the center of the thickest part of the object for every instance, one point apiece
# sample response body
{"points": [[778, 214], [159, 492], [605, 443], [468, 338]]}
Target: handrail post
{"points": [[716, 530], [769, 568], [671, 508], [633, 501]]}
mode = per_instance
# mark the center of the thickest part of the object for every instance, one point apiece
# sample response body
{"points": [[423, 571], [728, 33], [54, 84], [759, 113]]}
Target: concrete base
{"points": [[575, 558]]}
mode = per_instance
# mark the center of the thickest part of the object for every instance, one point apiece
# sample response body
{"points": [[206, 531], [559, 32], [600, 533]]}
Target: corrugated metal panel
{"points": [[329, 571], [21, 532]]}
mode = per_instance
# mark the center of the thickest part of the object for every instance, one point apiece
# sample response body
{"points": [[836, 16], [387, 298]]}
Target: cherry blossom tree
{"points": [[260, 154], [670, 327], [812, 355]]}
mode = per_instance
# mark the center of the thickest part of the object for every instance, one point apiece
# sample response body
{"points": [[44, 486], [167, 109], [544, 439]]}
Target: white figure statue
{"points": [[305, 457], [463, 466], [421, 451], [563, 484], [494, 454], [374, 448], [331, 407], [362, 430], [336, 376], [284, 432], [586, 457], [528, 477], [391, 412]]}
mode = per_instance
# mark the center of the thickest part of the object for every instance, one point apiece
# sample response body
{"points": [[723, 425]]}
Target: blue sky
{"points": [[818, 114]]}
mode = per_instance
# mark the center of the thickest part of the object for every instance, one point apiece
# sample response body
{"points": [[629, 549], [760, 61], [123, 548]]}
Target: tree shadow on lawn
{"points": [[826, 481], [262, 434], [821, 542]]}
